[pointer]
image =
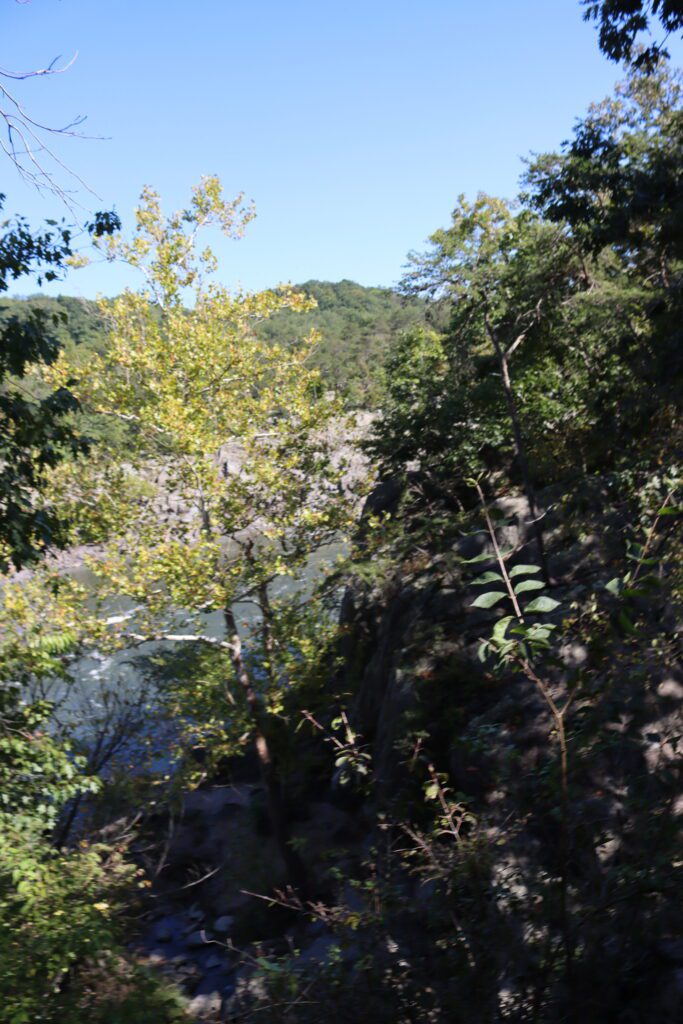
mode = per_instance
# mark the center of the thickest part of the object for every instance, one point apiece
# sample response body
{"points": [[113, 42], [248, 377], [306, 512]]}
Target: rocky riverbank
{"points": [[212, 913]]}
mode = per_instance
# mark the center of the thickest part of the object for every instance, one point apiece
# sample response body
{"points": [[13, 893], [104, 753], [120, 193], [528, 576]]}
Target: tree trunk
{"points": [[276, 811], [520, 451]]}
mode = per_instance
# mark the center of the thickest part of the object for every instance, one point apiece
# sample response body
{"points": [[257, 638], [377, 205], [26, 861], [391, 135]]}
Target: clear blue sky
{"points": [[352, 125]]}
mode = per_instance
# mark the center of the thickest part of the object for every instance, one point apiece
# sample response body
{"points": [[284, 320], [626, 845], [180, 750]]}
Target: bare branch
{"points": [[26, 141]]}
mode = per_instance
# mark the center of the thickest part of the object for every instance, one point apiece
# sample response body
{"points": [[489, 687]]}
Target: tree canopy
{"points": [[622, 22]]}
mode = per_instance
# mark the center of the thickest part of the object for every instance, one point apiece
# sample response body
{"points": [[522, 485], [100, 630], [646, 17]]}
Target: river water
{"points": [[110, 703]]}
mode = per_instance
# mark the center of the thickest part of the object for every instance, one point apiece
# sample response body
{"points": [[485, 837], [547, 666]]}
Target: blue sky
{"points": [[353, 126]]}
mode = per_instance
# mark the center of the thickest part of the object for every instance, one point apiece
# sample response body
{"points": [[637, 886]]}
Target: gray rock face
{"points": [[213, 963], [163, 932], [205, 1006], [223, 925]]}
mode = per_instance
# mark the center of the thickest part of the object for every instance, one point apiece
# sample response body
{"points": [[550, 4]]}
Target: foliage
{"points": [[61, 929], [357, 326], [617, 182], [564, 910], [575, 295], [37, 430], [53, 916], [497, 716], [620, 23], [246, 487], [59, 908]]}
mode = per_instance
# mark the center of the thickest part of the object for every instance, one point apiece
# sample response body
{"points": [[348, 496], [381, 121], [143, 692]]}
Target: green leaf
{"points": [[541, 631], [668, 510], [523, 570], [488, 599], [542, 604], [525, 585], [614, 586], [626, 624], [501, 626], [488, 577], [485, 556]]}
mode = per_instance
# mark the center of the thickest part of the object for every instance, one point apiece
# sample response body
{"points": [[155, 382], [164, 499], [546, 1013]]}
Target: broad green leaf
{"points": [[488, 599], [485, 556], [650, 580], [526, 585], [542, 604], [614, 586], [626, 624], [501, 626], [645, 587], [523, 570], [668, 510], [488, 577]]}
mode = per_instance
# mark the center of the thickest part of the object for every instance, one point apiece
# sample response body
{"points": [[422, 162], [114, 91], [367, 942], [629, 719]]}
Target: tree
{"points": [[36, 433], [235, 439], [620, 22], [503, 275], [617, 182], [616, 189]]}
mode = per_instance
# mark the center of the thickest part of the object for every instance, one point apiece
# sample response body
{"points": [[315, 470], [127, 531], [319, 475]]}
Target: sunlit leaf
{"points": [[488, 577], [543, 604], [523, 570], [488, 600], [501, 626], [527, 585]]}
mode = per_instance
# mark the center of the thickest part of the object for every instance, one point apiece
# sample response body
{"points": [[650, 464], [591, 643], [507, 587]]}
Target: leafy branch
{"points": [[515, 641]]}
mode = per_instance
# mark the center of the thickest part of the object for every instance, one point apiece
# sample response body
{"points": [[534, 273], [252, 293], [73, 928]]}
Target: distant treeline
{"points": [[357, 325]]}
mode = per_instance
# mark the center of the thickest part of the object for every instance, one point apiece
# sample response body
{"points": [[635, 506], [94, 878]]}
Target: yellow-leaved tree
{"points": [[229, 484]]}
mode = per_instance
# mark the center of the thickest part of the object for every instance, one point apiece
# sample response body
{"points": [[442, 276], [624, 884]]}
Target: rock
{"points": [[214, 962], [670, 689], [574, 654], [248, 987], [215, 801], [206, 1005], [196, 940], [223, 925], [672, 950], [163, 933], [237, 902]]}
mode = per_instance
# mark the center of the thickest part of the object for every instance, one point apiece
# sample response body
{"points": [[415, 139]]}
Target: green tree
{"points": [[358, 326], [503, 274], [36, 433], [615, 190], [237, 442], [621, 22]]}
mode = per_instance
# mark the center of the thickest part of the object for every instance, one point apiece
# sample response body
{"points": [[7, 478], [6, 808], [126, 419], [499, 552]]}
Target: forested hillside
{"points": [[304, 722], [357, 326], [75, 324]]}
